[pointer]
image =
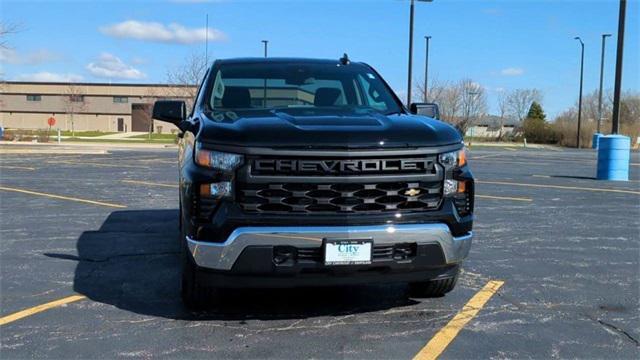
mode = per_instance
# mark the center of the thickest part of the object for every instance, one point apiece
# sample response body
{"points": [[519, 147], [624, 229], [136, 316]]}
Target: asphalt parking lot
{"points": [[90, 269]]}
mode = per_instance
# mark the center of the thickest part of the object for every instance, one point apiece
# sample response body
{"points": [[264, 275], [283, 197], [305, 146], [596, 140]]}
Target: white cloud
{"points": [[110, 66], [41, 56], [512, 71], [153, 31], [45, 76]]}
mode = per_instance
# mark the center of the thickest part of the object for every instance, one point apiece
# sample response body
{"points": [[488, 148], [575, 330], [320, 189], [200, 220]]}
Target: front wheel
{"points": [[195, 294], [432, 288]]}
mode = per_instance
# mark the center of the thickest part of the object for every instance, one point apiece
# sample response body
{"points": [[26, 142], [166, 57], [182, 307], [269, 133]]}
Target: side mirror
{"points": [[427, 109], [172, 111]]}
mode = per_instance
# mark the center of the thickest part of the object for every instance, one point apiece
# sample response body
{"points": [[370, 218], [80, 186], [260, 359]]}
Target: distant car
{"points": [[302, 172]]}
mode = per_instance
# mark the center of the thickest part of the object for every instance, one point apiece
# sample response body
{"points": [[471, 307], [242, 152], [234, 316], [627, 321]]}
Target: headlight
{"points": [[453, 159], [217, 160]]}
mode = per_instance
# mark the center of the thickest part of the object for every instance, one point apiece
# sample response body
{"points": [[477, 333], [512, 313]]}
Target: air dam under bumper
{"points": [[222, 256]]}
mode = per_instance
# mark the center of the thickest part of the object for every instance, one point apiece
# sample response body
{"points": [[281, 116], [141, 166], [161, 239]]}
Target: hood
{"points": [[352, 131]]}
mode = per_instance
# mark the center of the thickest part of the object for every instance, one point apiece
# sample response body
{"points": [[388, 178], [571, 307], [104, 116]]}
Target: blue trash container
{"points": [[613, 157], [595, 140]]}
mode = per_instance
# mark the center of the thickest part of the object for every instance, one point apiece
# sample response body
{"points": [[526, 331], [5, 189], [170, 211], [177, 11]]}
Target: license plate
{"points": [[347, 251]]}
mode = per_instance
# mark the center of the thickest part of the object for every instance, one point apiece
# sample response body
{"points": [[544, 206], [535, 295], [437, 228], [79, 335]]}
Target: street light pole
{"points": [[410, 53], [264, 88], [604, 36], [409, 75], [580, 96], [616, 90], [426, 70]]}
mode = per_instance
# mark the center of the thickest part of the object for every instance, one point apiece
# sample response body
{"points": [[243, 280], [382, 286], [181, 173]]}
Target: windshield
{"points": [[250, 89]]}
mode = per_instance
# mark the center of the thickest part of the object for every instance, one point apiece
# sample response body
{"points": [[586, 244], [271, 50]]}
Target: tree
{"points": [[518, 101], [474, 103], [502, 107], [6, 29], [187, 76], [74, 103], [535, 126]]}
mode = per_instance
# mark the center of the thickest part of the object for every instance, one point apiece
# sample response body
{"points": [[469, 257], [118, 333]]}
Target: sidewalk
{"points": [[117, 136]]}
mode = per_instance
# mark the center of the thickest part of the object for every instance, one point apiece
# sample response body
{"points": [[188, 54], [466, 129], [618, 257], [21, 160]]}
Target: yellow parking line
{"points": [[149, 183], [445, 336], [561, 187], [17, 167], [38, 309], [53, 196], [503, 198]]}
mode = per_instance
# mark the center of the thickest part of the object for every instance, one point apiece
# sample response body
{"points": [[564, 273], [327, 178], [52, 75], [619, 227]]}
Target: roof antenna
{"points": [[344, 60]]}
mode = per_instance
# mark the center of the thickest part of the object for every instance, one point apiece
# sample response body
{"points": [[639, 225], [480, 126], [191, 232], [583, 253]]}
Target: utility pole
{"points": [[580, 96], [426, 70], [265, 42], [616, 90], [604, 36]]}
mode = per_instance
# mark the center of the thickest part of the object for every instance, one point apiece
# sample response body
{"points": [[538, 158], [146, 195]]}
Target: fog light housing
{"points": [[450, 187], [216, 190]]}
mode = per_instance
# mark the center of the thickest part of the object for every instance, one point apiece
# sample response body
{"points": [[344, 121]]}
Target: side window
{"points": [[372, 95], [199, 93]]}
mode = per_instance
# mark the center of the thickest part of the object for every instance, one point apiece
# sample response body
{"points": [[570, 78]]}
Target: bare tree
{"points": [[503, 109], [449, 97], [518, 101], [187, 77], [7, 29], [74, 103], [474, 103]]}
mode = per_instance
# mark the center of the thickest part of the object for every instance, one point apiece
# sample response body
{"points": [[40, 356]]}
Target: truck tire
{"points": [[432, 288], [195, 294]]}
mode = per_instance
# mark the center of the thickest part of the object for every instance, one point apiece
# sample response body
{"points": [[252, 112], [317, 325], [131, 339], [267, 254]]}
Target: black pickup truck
{"points": [[305, 172]]}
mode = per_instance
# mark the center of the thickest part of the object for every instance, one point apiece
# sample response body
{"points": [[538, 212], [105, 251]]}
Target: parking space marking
{"points": [[17, 167], [61, 197], [561, 187], [471, 157], [516, 162], [40, 308], [137, 182], [97, 164], [504, 198], [445, 336], [541, 176]]}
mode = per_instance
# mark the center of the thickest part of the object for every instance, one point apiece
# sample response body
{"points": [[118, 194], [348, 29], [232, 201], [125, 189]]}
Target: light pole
{"points": [[580, 96], [616, 90], [264, 89], [604, 36], [426, 69], [409, 76]]}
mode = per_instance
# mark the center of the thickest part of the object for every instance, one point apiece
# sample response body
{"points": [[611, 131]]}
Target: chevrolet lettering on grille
{"points": [[341, 167]]}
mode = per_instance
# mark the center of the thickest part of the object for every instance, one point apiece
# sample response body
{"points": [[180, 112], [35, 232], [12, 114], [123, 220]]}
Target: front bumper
{"points": [[223, 256]]}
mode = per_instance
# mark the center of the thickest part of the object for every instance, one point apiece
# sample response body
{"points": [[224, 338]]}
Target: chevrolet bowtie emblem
{"points": [[412, 192]]}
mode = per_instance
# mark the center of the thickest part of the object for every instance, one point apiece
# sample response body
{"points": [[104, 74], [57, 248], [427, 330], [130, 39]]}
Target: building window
{"points": [[34, 97], [120, 99], [76, 98]]}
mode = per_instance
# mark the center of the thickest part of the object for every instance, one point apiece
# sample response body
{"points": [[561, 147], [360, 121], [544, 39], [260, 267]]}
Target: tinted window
{"points": [[253, 88]]}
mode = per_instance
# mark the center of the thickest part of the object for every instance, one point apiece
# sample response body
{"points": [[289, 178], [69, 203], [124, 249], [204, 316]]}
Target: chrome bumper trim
{"points": [[222, 256]]}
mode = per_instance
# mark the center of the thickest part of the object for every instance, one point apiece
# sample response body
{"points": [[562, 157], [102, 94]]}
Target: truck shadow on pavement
{"points": [[133, 262]]}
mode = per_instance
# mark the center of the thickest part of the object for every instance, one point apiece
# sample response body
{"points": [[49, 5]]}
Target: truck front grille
{"points": [[340, 197]]}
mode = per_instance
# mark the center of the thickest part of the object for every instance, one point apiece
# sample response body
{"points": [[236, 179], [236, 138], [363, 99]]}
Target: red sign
{"points": [[51, 121]]}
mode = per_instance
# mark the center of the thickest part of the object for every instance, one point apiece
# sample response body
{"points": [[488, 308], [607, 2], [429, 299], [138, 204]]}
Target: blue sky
{"points": [[499, 44]]}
